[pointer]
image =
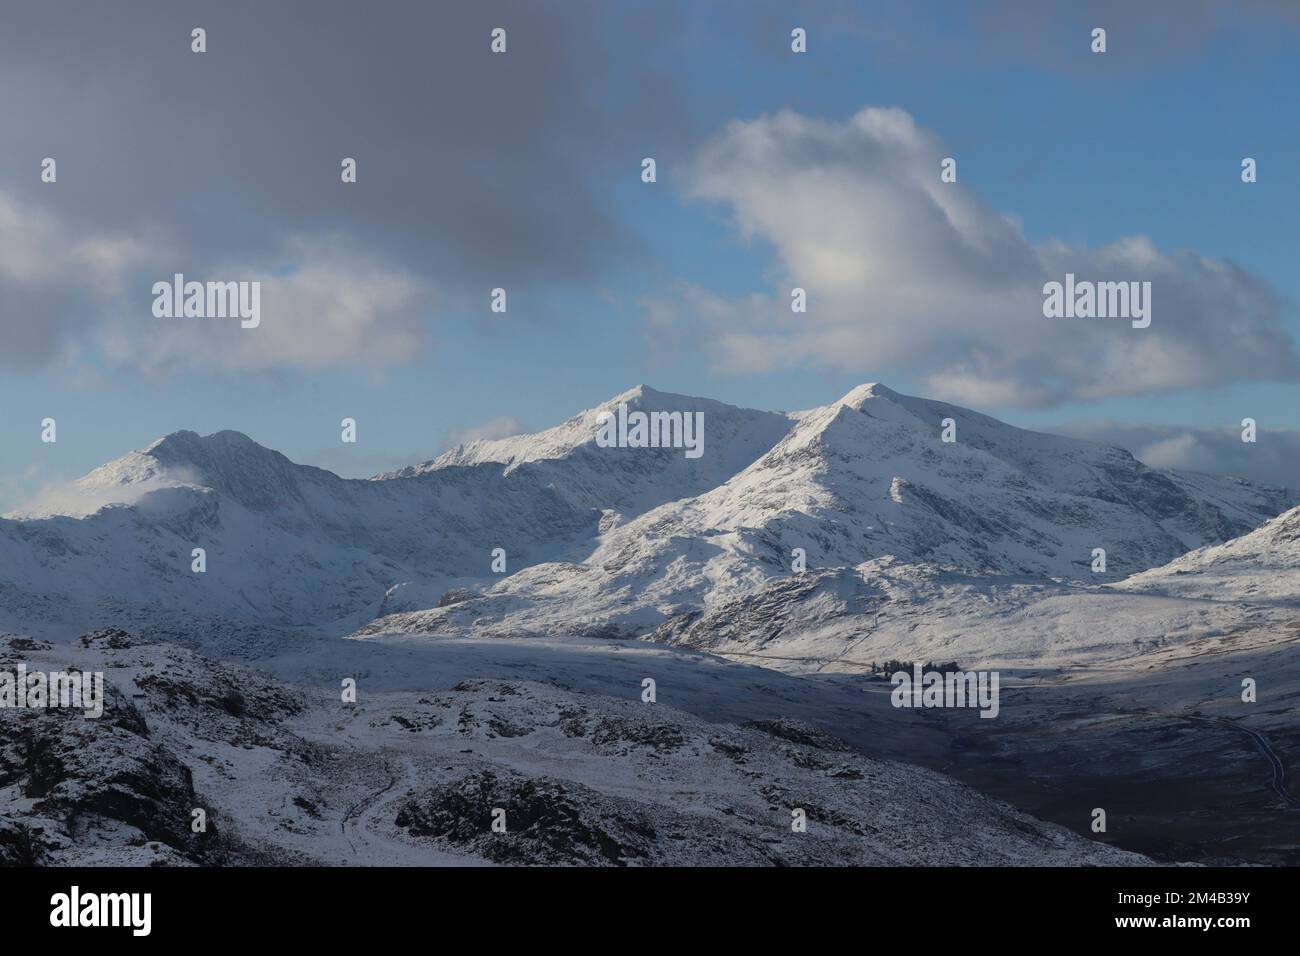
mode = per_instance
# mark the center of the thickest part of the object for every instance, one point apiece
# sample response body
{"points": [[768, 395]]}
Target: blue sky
{"points": [[1087, 149]]}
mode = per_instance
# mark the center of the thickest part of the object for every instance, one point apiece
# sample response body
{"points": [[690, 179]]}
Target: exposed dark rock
{"points": [[609, 731], [80, 769], [27, 644], [799, 732], [456, 596], [113, 638], [19, 846], [547, 821]]}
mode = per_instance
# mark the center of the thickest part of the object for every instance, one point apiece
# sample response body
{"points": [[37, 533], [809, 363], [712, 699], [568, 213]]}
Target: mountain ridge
{"points": [[621, 540]]}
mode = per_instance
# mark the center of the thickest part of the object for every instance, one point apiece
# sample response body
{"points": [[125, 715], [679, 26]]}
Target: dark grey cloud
{"points": [[479, 157], [475, 170]]}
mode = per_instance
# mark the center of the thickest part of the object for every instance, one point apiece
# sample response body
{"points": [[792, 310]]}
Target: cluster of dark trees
{"points": [[889, 668]]}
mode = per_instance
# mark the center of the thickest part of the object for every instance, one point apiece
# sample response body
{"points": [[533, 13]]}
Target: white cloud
{"points": [[503, 426], [55, 281], [904, 271], [1183, 450], [36, 248], [324, 303], [85, 496], [330, 307]]}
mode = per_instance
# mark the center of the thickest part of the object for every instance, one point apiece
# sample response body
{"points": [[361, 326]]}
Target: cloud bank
{"points": [[324, 301], [1273, 458], [903, 270]]}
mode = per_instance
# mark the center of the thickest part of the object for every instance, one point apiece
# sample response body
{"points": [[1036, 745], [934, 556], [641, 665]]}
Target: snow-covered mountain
{"points": [[1263, 566], [606, 539], [623, 481], [859, 485], [284, 543], [292, 544]]}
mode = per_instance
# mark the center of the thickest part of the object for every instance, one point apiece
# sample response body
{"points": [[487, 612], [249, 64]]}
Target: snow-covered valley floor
{"points": [[554, 731], [292, 774]]}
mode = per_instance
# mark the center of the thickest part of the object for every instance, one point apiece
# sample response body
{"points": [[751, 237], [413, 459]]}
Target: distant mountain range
{"points": [[609, 541]]}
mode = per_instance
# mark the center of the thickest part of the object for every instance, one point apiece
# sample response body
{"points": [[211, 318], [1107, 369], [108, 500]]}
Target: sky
{"points": [[522, 170]]}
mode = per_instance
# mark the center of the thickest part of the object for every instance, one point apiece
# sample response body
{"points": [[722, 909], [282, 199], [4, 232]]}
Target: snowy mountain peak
{"points": [[858, 396], [645, 395], [227, 462], [186, 441], [183, 458], [187, 449], [578, 434], [175, 439]]}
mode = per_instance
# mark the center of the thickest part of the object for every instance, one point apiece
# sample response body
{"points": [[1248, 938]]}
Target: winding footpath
{"points": [[1275, 761]]}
